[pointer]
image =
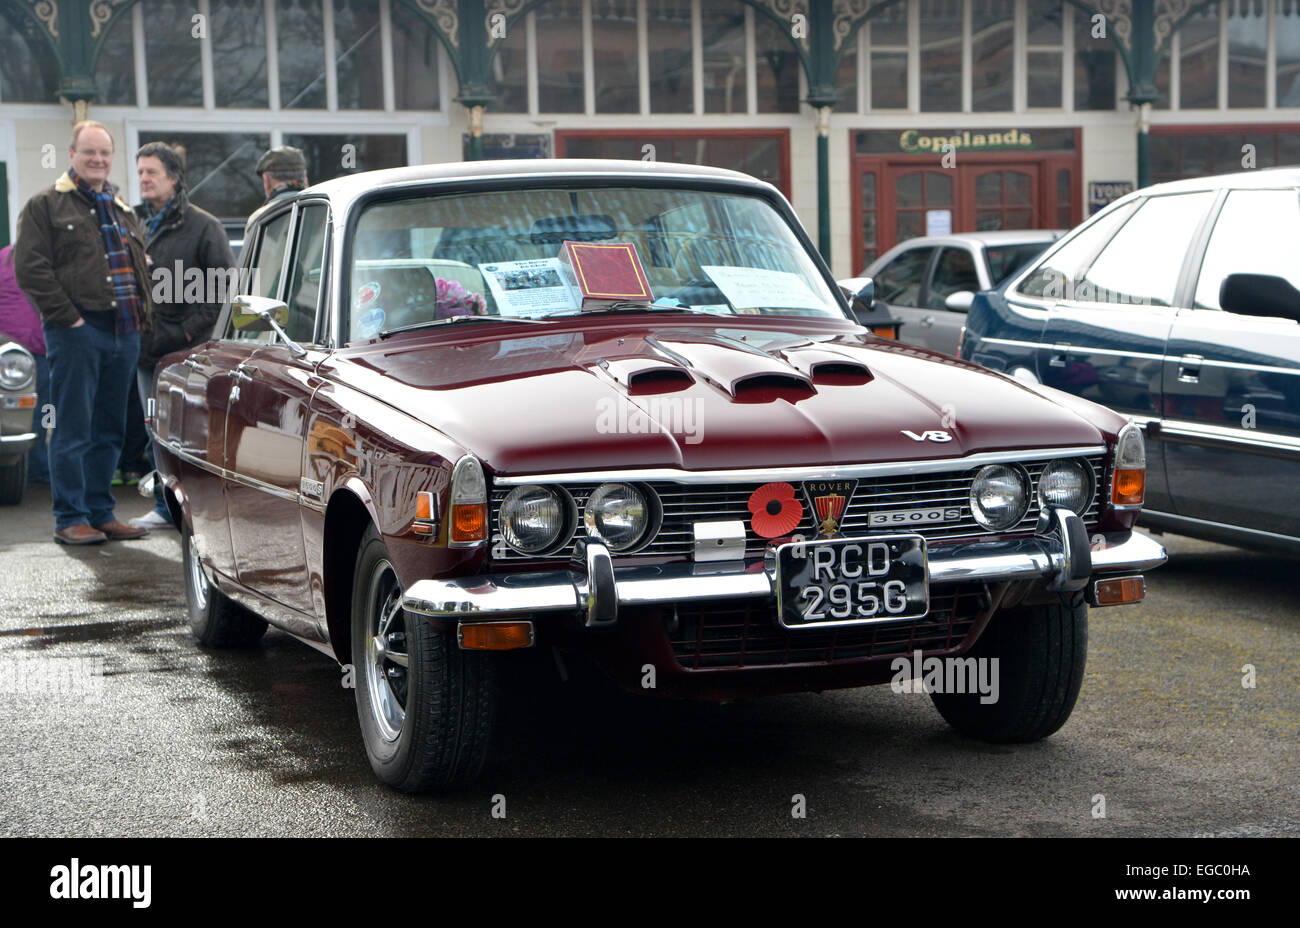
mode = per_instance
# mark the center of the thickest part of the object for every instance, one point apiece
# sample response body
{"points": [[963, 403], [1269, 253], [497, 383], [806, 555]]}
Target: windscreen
{"points": [[548, 252]]}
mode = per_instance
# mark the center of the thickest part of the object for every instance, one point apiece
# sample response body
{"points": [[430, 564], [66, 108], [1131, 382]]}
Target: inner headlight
{"points": [[1066, 483], [532, 518], [619, 515], [999, 496], [17, 368]]}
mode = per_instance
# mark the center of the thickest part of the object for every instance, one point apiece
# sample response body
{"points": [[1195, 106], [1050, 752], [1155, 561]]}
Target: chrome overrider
{"points": [[1060, 552]]}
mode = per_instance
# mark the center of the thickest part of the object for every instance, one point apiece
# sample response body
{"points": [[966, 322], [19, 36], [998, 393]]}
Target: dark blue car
{"points": [[1178, 307]]}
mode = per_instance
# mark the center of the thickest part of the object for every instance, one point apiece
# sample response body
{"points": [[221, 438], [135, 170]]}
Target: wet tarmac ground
{"points": [[149, 734]]}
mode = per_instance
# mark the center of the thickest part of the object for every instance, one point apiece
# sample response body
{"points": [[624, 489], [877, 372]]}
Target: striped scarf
{"points": [[130, 307]]}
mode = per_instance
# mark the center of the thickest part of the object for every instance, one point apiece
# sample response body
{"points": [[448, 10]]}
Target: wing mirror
{"points": [[259, 313], [1260, 295], [859, 290], [960, 301]]}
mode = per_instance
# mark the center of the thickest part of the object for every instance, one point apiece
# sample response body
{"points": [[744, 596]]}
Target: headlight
{"points": [[17, 368], [618, 514], [999, 496], [532, 518], [1129, 479], [1066, 483]]}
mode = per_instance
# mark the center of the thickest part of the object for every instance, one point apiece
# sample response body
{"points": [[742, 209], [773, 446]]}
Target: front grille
{"points": [[745, 633], [685, 504]]}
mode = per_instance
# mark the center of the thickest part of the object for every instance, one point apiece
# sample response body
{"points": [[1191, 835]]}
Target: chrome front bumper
{"points": [[595, 589]]}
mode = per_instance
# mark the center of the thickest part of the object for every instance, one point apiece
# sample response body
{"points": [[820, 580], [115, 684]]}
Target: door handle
{"points": [[928, 321], [1059, 354], [1189, 368]]}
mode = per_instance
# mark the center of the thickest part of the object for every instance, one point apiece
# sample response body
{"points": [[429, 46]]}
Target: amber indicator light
{"points": [[1120, 590], [886, 331], [496, 636], [27, 402], [1129, 487], [469, 522]]}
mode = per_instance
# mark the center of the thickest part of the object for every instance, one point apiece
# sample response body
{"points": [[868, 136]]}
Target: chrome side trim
{"points": [[811, 472], [230, 475], [1197, 433], [14, 439], [1220, 532], [569, 591], [1077, 349]]}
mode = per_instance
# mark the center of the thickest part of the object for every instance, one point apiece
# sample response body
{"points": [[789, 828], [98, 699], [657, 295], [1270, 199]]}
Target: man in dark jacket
{"points": [[283, 170], [184, 243], [80, 257]]}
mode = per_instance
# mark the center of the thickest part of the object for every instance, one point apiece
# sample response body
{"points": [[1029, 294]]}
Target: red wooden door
{"points": [[1002, 196]]}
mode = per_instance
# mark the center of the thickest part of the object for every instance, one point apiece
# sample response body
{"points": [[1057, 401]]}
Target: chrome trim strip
{"points": [[807, 472], [1238, 365], [25, 436], [230, 475], [567, 591], [1077, 349], [1168, 522], [1196, 432]]}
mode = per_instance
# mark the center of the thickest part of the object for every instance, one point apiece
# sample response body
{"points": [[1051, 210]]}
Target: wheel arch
{"points": [[349, 512]]}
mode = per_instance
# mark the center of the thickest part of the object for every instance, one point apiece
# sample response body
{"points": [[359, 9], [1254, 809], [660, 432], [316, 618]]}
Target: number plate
{"points": [[852, 581]]}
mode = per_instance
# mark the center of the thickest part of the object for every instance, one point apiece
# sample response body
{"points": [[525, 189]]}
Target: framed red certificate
{"points": [[606, 271]]}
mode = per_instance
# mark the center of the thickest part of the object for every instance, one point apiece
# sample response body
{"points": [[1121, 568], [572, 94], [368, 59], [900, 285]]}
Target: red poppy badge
{"points": [[776, 510]]}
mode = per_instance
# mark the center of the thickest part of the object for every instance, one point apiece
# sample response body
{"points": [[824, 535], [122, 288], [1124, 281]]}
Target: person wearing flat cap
{"points": [[283, 170]]}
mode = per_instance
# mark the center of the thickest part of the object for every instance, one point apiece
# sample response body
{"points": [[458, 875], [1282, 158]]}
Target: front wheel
{"points": [[426, 707], [13, 480], [215, 619], [1041, 651]]}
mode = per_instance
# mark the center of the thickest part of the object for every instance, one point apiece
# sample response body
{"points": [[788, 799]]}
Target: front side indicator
{"points": [[426, 514], [495, 636], [1116, 591]]}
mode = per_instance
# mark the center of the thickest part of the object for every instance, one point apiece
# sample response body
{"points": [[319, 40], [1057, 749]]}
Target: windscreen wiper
{"points": [[454, 319]]}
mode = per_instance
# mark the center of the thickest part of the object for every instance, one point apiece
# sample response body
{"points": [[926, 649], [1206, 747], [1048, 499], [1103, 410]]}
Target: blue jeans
{"points": [[38, 459], [144, 384], [90, 385]]}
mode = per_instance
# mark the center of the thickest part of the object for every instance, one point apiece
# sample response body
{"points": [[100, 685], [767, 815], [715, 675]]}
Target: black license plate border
{"points": [[847, 623]]}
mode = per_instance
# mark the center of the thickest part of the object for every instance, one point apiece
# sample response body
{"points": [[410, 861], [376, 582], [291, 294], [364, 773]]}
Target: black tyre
{"points": [[13, 481], [426, 707], [1041, 652], [215, 619]]}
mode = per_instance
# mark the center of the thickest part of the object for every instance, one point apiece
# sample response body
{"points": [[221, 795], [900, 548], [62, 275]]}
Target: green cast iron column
{"points": [[1142, 82], [822, 95], [76, 48], [475, 94]]}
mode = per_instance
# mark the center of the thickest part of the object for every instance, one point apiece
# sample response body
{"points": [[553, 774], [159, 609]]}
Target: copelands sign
{"points": [[913, 141]]}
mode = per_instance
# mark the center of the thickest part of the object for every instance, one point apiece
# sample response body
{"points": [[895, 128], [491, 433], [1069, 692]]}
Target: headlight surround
{"points": [[534, 517], [17, 368], [1066, 482], [999, 496], [620, 514]]}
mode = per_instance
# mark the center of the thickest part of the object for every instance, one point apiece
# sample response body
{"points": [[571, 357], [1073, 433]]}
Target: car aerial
{"points": [[927, 283], [619, 411], [17, 408], [1177, 307]]}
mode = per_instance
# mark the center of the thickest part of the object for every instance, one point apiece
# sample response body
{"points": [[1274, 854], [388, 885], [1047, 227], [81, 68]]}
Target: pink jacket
{"points": [[18, 317]]}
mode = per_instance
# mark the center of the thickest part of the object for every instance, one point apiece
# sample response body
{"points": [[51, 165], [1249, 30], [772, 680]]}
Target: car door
{"points": [[265, 441], [1231, 423], [953, 269], [1105, 337], [900, 283]]}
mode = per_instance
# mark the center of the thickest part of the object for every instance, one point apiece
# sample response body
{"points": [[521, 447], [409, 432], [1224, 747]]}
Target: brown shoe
{"points": [[120, 531], [79, 534]]}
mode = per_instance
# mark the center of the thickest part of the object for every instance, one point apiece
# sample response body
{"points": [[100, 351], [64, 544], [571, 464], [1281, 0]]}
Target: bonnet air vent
{"points": [[843, 373], [658, 380], [759, 388]]}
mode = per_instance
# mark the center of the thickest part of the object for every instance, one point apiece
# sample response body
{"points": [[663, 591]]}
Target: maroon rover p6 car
{"points": [[622, 408]]}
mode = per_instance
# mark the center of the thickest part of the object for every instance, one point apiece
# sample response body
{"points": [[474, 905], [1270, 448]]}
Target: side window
{"points": [[1142, 262], [899, 281], [305, 273], [1256, 233], [1055, 277], [955, 270], [270, 255]]}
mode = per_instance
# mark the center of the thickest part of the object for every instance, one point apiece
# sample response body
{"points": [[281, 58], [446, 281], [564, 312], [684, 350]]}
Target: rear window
{"points": [[1005, 260]]}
